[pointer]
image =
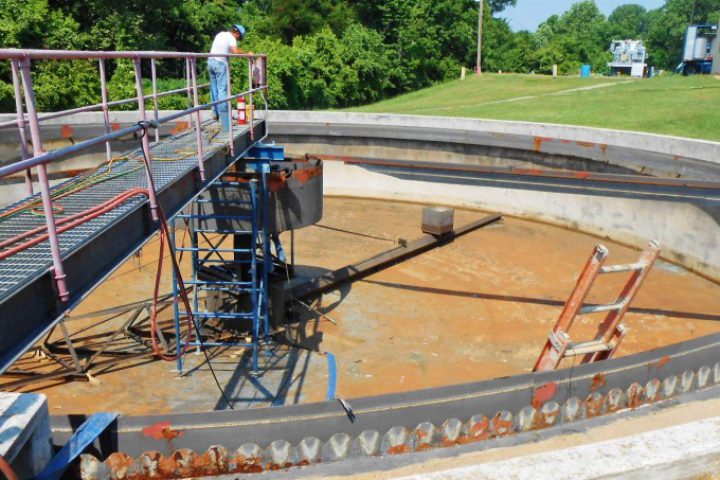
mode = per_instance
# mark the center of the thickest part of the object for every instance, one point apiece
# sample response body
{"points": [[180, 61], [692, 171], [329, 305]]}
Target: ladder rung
{"points": [[217, 261], [223, 202], [587, 347], [218, 288], [628, 267], [214, 217], [220, 183], [218, 315], [218, 250], [228, 232], [229, 283], [601, 308]]}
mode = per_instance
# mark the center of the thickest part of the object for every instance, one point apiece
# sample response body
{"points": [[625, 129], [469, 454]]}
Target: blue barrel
{"points": [[585, 71]]}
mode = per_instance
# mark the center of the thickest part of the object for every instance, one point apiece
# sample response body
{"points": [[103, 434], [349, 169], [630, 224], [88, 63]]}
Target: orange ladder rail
{"points": [[611, 331]]}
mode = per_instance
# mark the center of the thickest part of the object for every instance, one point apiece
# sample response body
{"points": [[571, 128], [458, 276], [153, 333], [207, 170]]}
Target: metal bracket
{"points": [[267, 151], [559, 340]]}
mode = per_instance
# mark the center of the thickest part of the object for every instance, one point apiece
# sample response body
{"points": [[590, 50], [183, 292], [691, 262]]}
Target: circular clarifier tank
{"points": [[444, 340], [478, 308]]}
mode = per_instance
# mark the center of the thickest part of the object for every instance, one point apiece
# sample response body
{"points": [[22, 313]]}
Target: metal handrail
{"points": [[23, 87], [36, 54], [98, 106], [65, 152]]}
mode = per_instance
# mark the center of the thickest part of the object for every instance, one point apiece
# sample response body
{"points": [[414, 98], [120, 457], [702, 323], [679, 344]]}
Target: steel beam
{"points": [[332, 280]]}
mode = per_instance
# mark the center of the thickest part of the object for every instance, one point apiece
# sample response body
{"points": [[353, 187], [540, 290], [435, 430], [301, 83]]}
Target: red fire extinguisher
{"points": [[241, 113]]}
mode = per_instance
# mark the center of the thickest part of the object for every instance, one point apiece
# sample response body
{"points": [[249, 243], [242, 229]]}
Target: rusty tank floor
{"points": [[478, 308]]}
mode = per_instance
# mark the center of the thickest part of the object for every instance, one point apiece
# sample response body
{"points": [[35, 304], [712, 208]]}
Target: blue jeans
{"points": [[218, 72]]}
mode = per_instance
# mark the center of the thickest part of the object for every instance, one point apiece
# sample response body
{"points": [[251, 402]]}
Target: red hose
{"points": [[74, 220], [67, 223], [164, 235], [83, 217], [7, 470]]}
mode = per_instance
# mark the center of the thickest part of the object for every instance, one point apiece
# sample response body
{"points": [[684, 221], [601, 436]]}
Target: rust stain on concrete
{"points": [[543, 394], [162, 431], [662, 362], [67, 131], [538, 141], [597, 382]]}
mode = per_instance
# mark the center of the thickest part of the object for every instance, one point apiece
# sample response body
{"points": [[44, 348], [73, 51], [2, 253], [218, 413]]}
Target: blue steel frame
{"points": [[257, 162]]}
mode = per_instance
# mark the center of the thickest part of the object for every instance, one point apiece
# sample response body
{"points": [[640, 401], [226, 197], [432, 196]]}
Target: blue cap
{"points": [[240, 29]]}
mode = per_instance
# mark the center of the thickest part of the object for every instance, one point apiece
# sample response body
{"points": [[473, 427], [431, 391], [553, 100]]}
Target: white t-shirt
{"points": [[222, 43]]}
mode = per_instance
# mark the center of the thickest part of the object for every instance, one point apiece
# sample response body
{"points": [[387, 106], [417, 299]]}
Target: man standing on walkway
{"points": [[219, 70]]}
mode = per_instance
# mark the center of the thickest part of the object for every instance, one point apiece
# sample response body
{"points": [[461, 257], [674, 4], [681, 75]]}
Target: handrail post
{"points": [[60, 277], [265, 79], [153, 74], [21, 123], [198, 132], [145, 141], [230, 117], [105, 108], [251, 119], [188, 89]]}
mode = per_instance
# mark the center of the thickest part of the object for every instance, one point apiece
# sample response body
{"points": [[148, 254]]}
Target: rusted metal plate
{"points": [[296, 198]]}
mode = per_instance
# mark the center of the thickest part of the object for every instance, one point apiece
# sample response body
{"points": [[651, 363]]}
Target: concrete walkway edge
{"points": [[682, 451]]}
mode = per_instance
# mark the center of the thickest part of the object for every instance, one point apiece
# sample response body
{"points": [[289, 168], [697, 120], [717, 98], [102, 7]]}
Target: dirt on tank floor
{"points": [[478, 308], [482, 306]]}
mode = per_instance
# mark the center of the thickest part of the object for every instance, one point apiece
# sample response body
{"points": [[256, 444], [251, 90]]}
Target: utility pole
{"points": [[692, 15], [716, 56], [478, 62]]}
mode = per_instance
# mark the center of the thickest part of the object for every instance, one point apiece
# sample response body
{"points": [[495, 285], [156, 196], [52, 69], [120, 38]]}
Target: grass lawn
{"points": [[671, 104]]}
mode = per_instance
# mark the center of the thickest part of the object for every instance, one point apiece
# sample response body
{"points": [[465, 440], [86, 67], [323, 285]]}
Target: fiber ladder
{"points": [[611, 331]]}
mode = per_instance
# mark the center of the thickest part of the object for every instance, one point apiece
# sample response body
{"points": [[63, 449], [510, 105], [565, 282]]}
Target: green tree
{"points": [[291, 18], [497, 6], [577, 37], [365, 78], [32, 24], [508, 51], [628, 21]]}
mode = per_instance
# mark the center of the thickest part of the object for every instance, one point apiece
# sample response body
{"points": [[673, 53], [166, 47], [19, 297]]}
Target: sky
{"points": [[528, 14]]}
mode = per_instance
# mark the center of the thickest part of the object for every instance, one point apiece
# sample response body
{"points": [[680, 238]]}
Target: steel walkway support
{"points": [[57, 245]]}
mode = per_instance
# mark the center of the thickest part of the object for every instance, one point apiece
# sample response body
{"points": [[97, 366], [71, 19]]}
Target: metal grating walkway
{"points": [[172, 158], [29, 302]]}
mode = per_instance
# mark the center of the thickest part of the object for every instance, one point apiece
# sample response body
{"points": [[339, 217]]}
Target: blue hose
{"points": [[332, 377]]}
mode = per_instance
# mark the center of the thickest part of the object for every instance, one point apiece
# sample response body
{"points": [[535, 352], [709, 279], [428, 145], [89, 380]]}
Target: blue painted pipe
{"points": [[332, 377]]}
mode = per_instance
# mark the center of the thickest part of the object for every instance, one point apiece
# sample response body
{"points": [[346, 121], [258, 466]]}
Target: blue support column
{"points": [[267, 257], [242, 270], [220, 270], [176, 308]]}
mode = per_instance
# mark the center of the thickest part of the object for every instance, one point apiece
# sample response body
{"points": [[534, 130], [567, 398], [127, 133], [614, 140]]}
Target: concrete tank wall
{"points": [[688, 229]]}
